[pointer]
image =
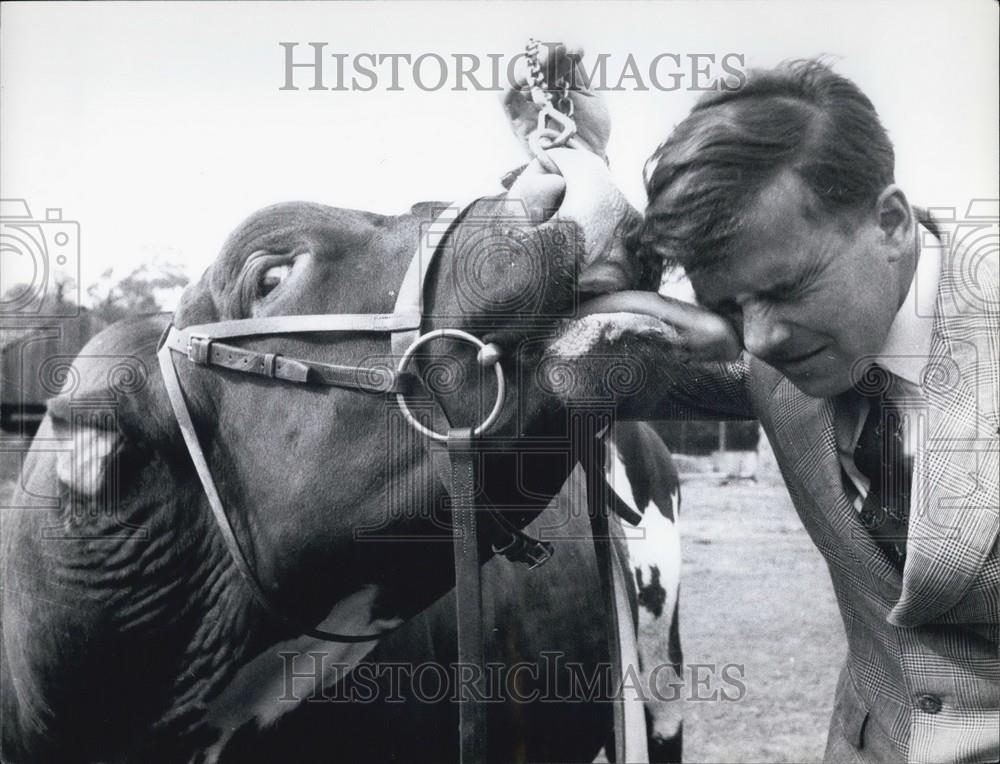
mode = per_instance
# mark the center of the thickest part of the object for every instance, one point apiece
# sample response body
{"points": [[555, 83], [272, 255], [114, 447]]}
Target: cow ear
{"points": [[89, 446], [427, 210], [110, 399]]}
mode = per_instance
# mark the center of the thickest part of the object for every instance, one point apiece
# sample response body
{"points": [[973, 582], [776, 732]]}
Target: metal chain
{"points": [[540, 92], [560, 112], [565, 103]]}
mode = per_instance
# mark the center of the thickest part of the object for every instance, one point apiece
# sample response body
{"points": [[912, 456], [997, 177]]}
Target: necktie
{"points": [[881, 457]]}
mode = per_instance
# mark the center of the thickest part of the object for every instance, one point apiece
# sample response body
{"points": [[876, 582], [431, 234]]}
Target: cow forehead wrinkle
{"points": [[362, 244], [283, 227]]}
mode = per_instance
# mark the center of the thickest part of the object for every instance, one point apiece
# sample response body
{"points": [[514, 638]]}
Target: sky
{"points": [[158, 127]]}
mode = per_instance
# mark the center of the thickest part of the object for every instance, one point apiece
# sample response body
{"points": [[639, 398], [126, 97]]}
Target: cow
{"points": [[545, 635], [642, 473], [541, 624], [126, 621]]}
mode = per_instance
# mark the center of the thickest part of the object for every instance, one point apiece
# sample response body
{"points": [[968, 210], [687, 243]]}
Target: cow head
{"points": [[328, 487]]}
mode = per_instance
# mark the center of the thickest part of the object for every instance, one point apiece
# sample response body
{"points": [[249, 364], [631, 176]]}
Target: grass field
{"points": [[755, 591]]}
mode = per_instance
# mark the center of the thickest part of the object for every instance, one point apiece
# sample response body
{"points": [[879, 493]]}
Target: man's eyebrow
{"points": [[794, 280]]}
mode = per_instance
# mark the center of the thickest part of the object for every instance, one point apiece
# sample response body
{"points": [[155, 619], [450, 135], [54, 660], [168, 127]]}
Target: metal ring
{"points": [[458, 334]]}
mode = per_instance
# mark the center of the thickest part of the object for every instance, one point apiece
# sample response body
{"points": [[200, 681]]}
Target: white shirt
{"points": [[904, 354]]}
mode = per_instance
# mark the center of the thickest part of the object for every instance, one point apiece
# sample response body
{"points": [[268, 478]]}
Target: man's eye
{"points": [[273, 276], [789, 291], [791, 297]]}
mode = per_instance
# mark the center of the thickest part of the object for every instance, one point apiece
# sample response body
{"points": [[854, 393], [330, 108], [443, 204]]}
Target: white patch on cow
{"points": [[258, 691], [618, 477], [658, 545], [584, 334], [83, 468]]}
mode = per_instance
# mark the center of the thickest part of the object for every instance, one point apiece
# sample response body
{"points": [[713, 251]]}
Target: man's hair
{"points": [[802, 116]]}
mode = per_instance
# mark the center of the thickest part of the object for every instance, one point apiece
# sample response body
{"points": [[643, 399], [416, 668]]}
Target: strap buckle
{"points": [[198, 348], [524, 548]]}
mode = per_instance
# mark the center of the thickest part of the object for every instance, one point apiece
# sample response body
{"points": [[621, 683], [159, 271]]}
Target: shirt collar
{"points": [[908, 344]]}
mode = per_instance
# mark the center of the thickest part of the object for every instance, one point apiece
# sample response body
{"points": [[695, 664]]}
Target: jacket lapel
{"points": [[954, 518], [804, 430]]}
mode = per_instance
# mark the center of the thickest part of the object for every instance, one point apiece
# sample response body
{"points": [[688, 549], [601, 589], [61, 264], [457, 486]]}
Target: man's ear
{"points": [[895, 220]]}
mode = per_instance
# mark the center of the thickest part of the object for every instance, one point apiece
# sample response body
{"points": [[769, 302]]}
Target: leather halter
{"points": [[201, 344]]}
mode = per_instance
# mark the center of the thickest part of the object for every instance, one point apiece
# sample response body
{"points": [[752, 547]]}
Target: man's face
{"points": [[810, 293]]}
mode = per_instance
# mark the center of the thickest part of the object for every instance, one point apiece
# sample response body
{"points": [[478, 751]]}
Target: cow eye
{"points": [[273, 276]]}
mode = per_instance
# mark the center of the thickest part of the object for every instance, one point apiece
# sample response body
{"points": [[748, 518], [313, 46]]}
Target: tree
{"points": [[27, 301], [142, 291]]}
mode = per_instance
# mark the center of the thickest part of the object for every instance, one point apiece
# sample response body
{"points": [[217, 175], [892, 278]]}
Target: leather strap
{"points": [[605, 565], [200, 343], [196, 342], [512, 543], [321, 322], [469, 599], [205, 351], [410, 300], [179, 406], [618, 505], [519, 546], [631, 726], [628, 715]]}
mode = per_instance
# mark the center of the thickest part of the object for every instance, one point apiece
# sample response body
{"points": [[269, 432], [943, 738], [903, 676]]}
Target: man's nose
{"points": [[763, 330]]}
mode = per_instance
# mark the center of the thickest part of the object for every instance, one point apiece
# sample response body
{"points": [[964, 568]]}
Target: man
{"points": [[870, 358]]}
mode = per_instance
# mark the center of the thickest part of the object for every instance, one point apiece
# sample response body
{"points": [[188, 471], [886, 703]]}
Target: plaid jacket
{"points": [[923, 658]]}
